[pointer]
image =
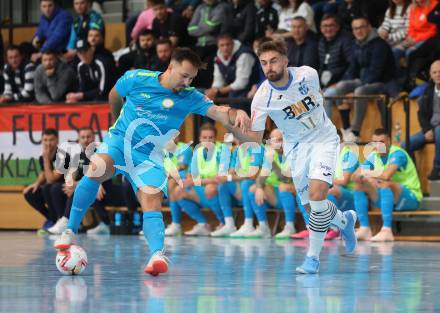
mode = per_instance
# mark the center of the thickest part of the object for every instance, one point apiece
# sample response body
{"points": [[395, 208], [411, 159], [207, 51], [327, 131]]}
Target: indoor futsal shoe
{"points": [[66, 239], [158, 264], [310, 266], [349, 233]]}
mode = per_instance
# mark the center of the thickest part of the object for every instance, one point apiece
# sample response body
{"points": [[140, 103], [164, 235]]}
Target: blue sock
{"points": [[288, 204], [176, 212], [386, 205], [154, 231], [361, 205], [225, 199], [83, 197], [193, 210], [247, 206], [303, 211], [214, 205], [260, 210], [333, 199]]}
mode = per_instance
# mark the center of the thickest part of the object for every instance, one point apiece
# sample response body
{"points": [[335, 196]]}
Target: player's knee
{"points": [[211, 191], [285, 188], [317, 194], [253, 188]]}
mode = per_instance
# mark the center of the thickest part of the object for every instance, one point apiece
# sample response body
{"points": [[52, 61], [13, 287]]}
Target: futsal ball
{"points": [[71, 261]]}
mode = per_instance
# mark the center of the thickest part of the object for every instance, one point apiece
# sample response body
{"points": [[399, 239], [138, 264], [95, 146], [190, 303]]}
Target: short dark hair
{"points": [[50, 131], [163, 41], [380, 132], [49, 51], [12, 48], [186, 54], [329, 16], [208, 126], [361, 17], [273, 45], [157, 2], [300, 18], [146, 32], [224, 36], [86, 128], [53, 1]]}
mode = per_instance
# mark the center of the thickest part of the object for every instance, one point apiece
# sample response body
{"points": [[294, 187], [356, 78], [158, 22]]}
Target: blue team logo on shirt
{"points": [[303, 89]]}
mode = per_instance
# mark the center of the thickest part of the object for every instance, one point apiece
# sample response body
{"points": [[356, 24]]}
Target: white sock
{"points": [[339, 220], [320, 217], [316, 241], [289, 224], [263, 224], [229, 222], [249, 222]]}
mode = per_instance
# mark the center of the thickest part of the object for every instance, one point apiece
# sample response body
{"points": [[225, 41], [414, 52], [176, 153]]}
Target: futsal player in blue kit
{"points": [[156, 104]]}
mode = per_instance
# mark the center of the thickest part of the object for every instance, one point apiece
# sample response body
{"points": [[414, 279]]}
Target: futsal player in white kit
{"points": [[292, 98]]}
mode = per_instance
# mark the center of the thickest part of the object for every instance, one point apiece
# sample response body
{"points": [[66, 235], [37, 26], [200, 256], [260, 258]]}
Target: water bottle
{"points": [[136, 219], [118, 218], [397, 133]]}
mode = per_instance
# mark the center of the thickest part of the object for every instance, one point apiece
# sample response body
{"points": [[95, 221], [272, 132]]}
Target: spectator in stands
{"points": [[429, 119], [346, 14], [234, 71], [144, 55], [2, 52], [324, 7], [18, 75], [429, 51], [419, 28], [210, 19], [95, 39], [168, 25], [95, 77], [291, 9], [185, 8], [53, 29], [45, 195], [334, 52], [267, 19], [243, 21], [388, 178], [164, 49], [144, 20], [394, 28], [302, 47], [53, 79], [371, 71], [86, 19]]}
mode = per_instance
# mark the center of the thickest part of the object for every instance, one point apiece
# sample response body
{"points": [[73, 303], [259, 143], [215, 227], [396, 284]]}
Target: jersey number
{"points": [[308, 122]]}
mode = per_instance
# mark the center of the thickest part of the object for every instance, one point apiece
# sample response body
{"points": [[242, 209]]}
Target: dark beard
{"points": [[275, 78]]}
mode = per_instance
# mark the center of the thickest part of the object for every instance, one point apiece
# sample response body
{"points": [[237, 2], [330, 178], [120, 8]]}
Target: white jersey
{"points": [[297, 109]]}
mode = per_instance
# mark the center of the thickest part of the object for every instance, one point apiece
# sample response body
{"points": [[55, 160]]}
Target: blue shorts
{"points": [[407, 201], [148, 174], [346, 202]]}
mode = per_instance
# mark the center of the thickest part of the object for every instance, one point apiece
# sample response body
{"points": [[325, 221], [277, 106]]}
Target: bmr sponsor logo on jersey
{"points": [[297, 109]]}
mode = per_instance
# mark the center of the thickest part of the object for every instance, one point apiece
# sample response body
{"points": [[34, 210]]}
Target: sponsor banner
{"points": [[20, 134]]}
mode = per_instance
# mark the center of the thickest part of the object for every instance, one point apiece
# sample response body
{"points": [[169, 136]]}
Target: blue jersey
{"points": [[151, 113], [397, 158]]}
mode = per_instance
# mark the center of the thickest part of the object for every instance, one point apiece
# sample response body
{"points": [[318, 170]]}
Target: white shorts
{"points": [[313, 161]]}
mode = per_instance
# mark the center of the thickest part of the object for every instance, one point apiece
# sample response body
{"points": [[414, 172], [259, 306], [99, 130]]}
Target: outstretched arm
{"points": [[236, 121]]}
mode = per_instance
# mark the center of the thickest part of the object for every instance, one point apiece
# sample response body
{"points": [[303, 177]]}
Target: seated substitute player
{"points": [[202, 178], [388, 178], [156, 104], [341, 194], [177, 159], [237, 173], [274, 187], [292, 98]]}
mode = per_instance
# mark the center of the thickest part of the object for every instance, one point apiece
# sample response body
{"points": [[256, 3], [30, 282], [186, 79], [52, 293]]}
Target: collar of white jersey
{"points": [[286, 86]]}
